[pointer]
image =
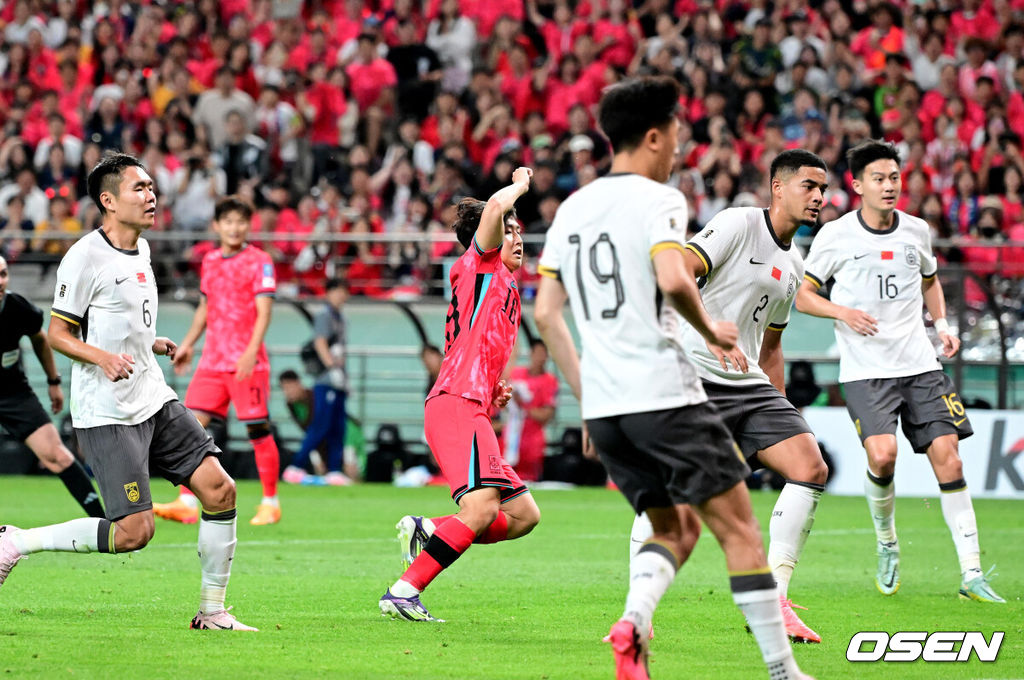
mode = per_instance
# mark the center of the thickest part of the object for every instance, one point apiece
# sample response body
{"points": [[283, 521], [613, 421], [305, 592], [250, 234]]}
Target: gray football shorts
{"points": [[663, 458], [758, 416], [926, 405], [171, 444]]}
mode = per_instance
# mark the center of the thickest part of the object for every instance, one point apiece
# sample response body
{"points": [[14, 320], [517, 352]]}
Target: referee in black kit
{"points": [[21, 414]]}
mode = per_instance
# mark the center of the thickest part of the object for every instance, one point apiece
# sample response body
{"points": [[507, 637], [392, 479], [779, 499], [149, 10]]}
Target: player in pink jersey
{"points": [[237, 283], [480, 330]]}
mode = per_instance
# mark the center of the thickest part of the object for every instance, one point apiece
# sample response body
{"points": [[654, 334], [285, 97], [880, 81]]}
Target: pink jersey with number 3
{"points": [[481, 326], [231, 285]]}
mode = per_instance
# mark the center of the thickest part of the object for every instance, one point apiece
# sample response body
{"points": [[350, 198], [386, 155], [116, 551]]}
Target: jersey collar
{"points": [[880, 232], [771, 230], [134, 251], [228, 257]]}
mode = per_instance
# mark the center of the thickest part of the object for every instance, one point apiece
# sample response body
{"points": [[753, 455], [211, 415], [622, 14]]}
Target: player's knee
{"points": [[882, 460], [258, 430], [818, 472], [221, 496], [530, 518], [133, 535]]}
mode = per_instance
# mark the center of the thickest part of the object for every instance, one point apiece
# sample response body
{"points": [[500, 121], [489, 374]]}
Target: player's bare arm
{"points": [[935, 302], [734, 357], [771, 360], [183, 355], [547, 314], [809, 302], [63, 337], [491, 231], [680, 289], [247, 361], [45, 355]]}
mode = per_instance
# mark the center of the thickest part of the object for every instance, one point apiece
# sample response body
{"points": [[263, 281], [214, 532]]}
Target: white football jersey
{"points": [[752, 278], [110, 293], [600, 246], [878, 272]]}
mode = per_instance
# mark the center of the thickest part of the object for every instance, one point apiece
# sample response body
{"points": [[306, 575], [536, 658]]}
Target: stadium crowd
{"points": [[377, 116]]}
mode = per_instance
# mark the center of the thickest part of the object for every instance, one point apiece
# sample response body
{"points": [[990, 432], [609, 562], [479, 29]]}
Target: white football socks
{"points": [[78, 535], [638, 535], [881, 497], [764, 617], [651, 572], [959, 513], [791, 522], [216, 550]]}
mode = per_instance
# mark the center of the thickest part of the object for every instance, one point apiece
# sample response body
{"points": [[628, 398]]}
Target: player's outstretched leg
{"points": [[217, 539], [958, 511], [184, 508], [516, 519], [730, 518], [84, 535]]}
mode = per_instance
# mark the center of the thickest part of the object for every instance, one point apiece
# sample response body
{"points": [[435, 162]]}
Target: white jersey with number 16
{"points": [[601, 246]]}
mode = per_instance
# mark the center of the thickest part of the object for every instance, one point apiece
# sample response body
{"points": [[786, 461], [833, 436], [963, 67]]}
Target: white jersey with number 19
{"points": [[601, 246], [110, 294]]}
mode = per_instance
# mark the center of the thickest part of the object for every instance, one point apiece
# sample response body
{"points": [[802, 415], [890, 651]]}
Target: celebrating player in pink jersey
{"points": [[480, 330], [237, 283]]}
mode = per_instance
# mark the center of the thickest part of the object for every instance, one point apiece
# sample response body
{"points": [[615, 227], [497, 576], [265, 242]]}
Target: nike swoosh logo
{"points": [[857, 257], [753, 261], [220, 626], [118, 282], [969, 535], [891, 581], [957, 422]]}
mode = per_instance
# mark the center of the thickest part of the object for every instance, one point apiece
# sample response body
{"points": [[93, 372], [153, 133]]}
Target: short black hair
{"points": [[288, 374], [867, 152], [468, 220], [791, 160], [634, 106], [335, 283], [233, 203], [107, 175], [537, 342]]}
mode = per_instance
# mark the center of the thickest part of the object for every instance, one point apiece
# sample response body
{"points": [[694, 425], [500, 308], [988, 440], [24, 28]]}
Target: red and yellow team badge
{"points": [[132, 491]]}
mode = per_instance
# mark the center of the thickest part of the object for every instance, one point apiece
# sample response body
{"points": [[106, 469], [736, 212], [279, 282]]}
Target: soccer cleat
{"points": [[293, 475], [9, 555], [266, 514], [407, 608], [413, 533], [630, 650], [222, 620], [976, 589], [176, 511], [796, 629], [337, 479], [887, 580]]}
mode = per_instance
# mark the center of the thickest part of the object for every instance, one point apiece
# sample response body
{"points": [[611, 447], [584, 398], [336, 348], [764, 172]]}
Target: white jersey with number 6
{"points": [[110, 294], [751, 279], [600, 246], [878, 272]]}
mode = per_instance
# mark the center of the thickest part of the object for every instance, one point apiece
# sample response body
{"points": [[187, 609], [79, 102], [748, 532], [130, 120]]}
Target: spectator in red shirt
{"points": [[322, 105], [977, 65], [534, 395], [882, 37], [561, 31], [974, 19], [617, 35], [372, 80]]}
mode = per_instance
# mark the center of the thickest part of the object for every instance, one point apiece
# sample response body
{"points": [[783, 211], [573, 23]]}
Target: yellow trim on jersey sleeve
{"points": [[549, 272], [666, 245], [777, 326], [813, 279], [929, 277], [696, 251], [61, 316]]}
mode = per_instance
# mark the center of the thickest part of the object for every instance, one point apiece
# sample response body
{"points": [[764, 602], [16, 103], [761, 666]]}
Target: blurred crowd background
{"points": [[355, 126]]}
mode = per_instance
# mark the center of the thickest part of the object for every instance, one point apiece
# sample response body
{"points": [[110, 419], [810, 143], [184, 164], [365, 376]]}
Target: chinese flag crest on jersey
{"points": [[776, 273], [886, 254], [141, 276]]}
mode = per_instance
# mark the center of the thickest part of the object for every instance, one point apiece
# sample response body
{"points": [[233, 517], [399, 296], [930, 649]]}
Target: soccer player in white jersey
{"points": [[615, 253], [127, 420], [750, 272], [883, 269]]}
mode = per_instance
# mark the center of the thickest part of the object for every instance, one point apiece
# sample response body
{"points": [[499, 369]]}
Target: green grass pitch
{"points": [[535, 608]]}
